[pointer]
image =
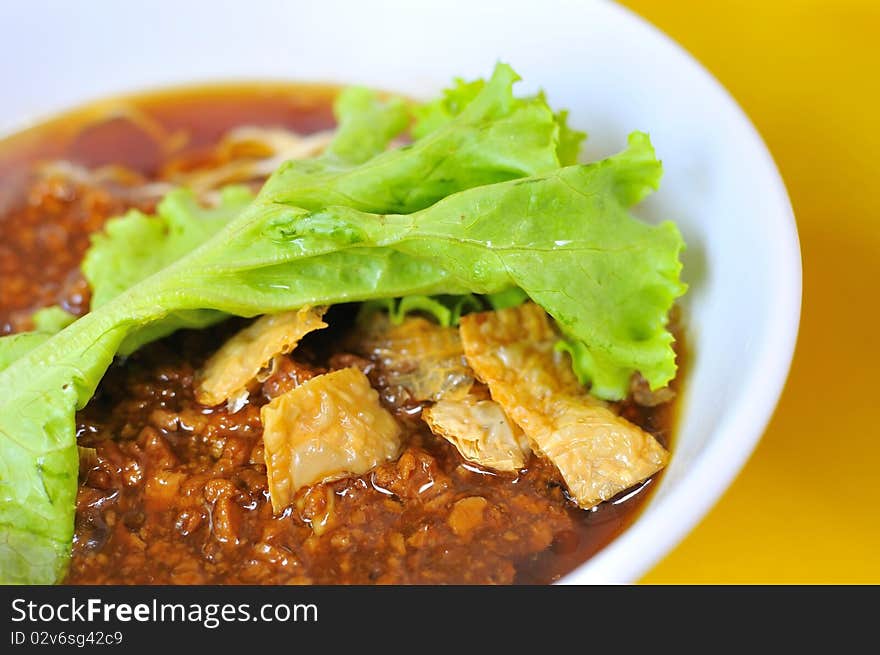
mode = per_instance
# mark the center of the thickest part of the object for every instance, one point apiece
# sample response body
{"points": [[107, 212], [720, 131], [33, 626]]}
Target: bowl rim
{"points": [[663, 523]]}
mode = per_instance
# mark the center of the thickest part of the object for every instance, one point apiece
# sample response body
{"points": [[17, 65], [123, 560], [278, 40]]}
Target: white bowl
{"points": [[614, 71]]}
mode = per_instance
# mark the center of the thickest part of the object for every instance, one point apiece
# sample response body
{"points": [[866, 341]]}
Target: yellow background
{"points": [[806, 509]]}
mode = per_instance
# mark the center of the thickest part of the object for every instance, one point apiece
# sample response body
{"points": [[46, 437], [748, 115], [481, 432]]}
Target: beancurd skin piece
{"points": [[480, 431], [598, 453], [239, 361], [513, 351], [518, 346], [424, 358], [328, 427]]}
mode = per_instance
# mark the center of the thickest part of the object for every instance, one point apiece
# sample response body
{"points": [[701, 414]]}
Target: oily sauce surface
{"points": [[175, 492]]}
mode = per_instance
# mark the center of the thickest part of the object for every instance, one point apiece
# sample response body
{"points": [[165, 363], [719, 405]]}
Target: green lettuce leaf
{"points": [[136, 245], [14, 346], [52, 319], [607, 278], [496, 137], [431, 116], [366, 125], [477, 206], [47, 321], [42, 387], [570, 140], [511, 297], [445, 309], [520, 142]]}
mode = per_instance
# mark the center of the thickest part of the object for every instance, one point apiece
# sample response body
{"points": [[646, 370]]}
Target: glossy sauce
{"points": [[176, 492]]}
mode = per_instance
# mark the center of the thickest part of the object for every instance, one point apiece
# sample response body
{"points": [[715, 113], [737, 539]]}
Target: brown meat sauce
{"points": [[177, 492]]}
